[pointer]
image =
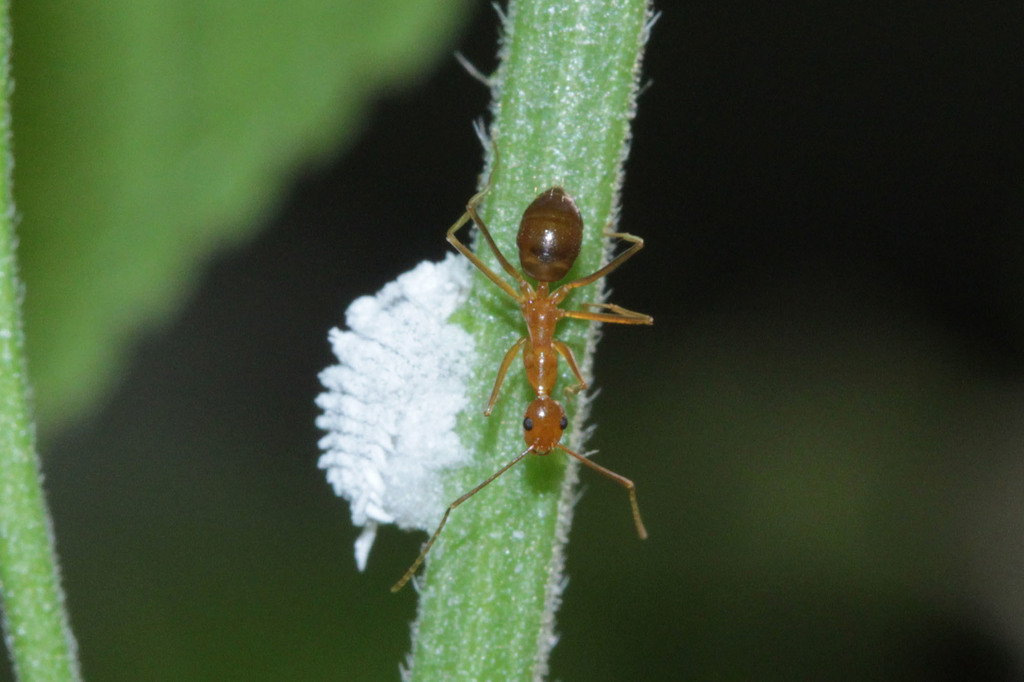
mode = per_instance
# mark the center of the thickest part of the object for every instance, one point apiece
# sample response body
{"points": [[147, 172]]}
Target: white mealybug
{"points": [[391, 401]]}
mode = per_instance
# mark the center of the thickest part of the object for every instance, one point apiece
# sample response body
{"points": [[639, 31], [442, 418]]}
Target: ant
{"points": [[550, 234]]}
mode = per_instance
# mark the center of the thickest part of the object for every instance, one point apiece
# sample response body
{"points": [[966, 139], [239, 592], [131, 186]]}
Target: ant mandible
{"points": [[549, 239]]}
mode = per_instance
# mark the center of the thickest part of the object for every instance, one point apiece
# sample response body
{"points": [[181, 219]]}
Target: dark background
{"points": [[825, 424]]}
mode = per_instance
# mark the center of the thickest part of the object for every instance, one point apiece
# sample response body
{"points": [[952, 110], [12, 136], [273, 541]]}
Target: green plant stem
{"points": [[35, 624], [564, 95]]}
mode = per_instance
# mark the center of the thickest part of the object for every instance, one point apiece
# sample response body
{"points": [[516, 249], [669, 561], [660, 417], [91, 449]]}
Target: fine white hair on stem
{"points": [[391, 401]]}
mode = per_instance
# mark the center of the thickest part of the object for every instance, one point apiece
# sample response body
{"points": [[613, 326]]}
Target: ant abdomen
{"points": [[550, 235]]}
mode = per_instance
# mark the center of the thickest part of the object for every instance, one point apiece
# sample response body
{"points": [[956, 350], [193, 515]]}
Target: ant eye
{"points": [[528, 424], [562, 424]]}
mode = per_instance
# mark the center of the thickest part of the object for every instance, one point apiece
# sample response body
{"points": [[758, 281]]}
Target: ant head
{"points": [[550, 234], [543, 425]]}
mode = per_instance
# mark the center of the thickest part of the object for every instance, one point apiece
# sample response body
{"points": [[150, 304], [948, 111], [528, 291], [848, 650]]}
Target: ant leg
{"points": [[471, 213], [471, 210], [621, 480], [617, 309], [464, 250], [566, 353], [502, 370], [638, 244], [444, 519], [618, 314]]}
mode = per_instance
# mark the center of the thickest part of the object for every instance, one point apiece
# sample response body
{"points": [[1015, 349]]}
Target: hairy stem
{"points": [[34, 622], [564, 95]]}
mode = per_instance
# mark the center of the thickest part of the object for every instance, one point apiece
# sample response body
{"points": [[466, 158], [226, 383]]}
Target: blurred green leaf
{"points": [[148, 134]]}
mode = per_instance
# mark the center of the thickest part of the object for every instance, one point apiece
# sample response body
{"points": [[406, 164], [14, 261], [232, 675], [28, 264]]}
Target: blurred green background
{"points": [[825, 424]]}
